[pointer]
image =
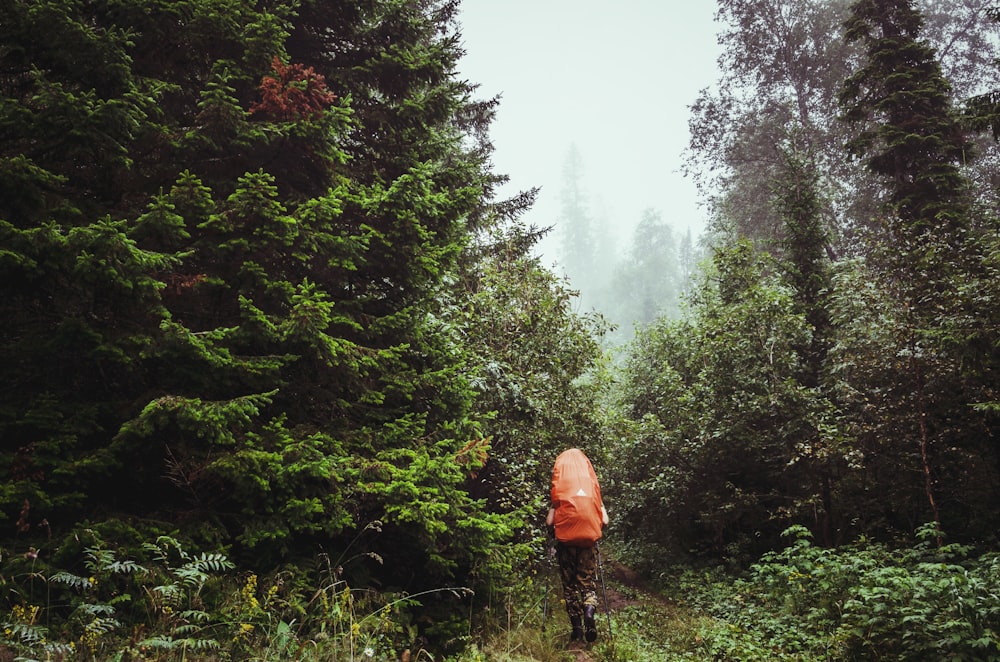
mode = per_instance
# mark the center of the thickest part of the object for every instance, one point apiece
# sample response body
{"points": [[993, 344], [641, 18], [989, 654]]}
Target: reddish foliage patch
{"points": [[291, 93]]}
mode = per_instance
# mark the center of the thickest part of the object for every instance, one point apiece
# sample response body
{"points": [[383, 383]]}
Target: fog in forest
{"points": [[594, 108]]}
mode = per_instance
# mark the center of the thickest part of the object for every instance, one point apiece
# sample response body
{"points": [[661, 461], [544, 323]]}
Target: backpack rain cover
{"points": [[576, 498]]}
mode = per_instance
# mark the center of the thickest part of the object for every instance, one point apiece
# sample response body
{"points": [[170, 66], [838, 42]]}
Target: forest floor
{"points": [[622, 590], [638, 621], [617, 575]]}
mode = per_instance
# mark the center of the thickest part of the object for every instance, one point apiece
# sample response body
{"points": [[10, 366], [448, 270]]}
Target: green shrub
{"points": [[869, 601]]}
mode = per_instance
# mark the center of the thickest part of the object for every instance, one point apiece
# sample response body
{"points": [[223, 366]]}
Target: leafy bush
{"points": [[870, 601]]}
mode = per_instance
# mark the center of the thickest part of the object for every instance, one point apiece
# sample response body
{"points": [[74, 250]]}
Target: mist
{"points": [[612, 82]]}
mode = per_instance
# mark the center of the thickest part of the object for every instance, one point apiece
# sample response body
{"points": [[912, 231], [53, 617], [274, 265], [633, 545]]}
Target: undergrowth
{"points": [[802, 603], [169, 604], [866, 601]]}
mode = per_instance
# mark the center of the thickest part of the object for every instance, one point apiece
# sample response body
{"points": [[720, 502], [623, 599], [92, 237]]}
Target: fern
{"points": [[195, 615], [199, 644], [161, 549], [197, 571], [22, 633], [159, 642], [125, 568], [96, 610], [71, 580], [164, 642], [170, 594]]}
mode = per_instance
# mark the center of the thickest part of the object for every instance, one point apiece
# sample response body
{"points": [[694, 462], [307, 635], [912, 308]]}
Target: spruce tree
{"points": [[909, 135], [227, 277], [908, 131]]}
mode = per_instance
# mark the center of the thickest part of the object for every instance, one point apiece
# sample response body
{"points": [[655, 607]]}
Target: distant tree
{"points": [[687, 260], [575, 223], [783, 64], [646, 282]]}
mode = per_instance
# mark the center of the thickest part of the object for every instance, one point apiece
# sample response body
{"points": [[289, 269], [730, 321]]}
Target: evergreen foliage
{"points": [[231, 240], [908, 130], [646, 284]]}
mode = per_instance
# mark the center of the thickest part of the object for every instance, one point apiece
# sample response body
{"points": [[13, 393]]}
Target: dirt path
{"points": [[616, 575]]}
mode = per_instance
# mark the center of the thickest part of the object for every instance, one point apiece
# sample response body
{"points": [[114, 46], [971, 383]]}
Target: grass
{"points": [[645, 626]]}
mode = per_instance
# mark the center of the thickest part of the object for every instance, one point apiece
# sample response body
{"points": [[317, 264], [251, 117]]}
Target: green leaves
{"points": [[869, 600], [217, 422], [724, 408]]}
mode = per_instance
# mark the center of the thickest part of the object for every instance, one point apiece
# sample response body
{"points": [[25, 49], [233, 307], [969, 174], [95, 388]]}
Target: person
{"points": [[576, 519]]}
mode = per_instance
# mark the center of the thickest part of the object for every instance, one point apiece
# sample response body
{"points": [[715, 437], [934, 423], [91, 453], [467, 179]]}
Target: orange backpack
{"points": [[576, 498]]}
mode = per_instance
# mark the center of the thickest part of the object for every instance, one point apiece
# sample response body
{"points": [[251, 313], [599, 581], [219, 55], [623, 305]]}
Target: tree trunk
{"points": [[924, 443]]}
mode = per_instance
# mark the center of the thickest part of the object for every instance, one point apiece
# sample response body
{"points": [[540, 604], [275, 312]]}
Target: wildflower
{"points": [[249, 592], [369, 651], [244, 631], [271, 593], [25, 614]]}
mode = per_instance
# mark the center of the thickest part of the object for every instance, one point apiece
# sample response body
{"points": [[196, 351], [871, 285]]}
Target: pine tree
{"points": [[909, 135], [227, 276], [576, 224], [646, 284]]}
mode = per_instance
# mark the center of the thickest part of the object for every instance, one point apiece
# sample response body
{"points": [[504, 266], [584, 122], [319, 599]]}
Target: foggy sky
{"points": [[613, 78]]}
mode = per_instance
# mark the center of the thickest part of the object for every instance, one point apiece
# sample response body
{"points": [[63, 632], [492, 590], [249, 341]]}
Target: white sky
{"points": [[614, 78]]}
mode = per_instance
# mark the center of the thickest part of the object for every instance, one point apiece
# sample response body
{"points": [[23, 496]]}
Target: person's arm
{"points": [[604, 515], [550, 519]]}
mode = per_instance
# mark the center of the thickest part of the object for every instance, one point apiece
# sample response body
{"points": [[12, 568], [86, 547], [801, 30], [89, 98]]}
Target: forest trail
{"points": [[634, 592]]}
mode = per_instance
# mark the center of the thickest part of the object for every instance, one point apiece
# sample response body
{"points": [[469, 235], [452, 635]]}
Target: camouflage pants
{"points": [[578, 568]]}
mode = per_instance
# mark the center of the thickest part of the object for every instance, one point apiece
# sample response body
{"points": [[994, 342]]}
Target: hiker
{"points": [[576, 519]]}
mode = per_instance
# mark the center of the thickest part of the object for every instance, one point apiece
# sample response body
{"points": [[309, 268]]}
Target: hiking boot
{"points": [[577, 633], [588, 621]]}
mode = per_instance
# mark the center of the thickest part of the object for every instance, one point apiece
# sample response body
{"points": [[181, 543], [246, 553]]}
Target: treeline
{"points": [[838, 365], [629, 284], [259, 297]]}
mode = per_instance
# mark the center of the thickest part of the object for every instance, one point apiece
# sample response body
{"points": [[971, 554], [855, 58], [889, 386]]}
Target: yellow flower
{"points": [[23, 614], [249, 592], [244, 631]]}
